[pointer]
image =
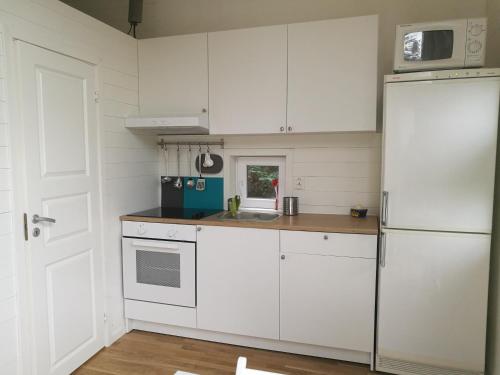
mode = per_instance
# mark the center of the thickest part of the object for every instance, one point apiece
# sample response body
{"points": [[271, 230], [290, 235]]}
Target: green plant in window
{"points": [[260, 181]]}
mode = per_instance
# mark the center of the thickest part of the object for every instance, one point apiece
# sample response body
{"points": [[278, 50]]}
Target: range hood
{"points": [[169, 125]]}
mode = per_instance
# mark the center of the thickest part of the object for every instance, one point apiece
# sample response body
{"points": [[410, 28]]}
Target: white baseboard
{"points": [[253, 342], [114, 336]]}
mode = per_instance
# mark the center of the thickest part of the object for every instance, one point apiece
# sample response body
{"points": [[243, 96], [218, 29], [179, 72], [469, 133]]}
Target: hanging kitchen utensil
{"points": [[190, 182], [165, 179], [178, 182], [200, 184], [208, 162], [216, 168]]}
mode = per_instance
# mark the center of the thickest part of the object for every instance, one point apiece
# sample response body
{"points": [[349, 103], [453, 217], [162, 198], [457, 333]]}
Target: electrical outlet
{"points": [[299, 183]]}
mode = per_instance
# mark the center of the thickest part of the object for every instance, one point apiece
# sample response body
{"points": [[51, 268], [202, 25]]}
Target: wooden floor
{"points": [[147, 353]]}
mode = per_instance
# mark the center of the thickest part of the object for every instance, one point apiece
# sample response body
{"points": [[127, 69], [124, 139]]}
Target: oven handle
{"points": [[157, 245]]}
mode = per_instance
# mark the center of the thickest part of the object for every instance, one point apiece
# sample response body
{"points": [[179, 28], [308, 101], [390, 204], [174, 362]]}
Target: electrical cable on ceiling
{"points": [[134, 15]]}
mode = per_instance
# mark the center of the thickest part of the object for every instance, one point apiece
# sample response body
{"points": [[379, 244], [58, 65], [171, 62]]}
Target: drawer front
{"points": [[159, 313], [173, 232], [336, 244]]}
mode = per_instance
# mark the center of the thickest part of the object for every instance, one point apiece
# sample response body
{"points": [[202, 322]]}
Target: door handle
{"points": [[385, 205], [38, 219], [157, 245], [382, 250]]}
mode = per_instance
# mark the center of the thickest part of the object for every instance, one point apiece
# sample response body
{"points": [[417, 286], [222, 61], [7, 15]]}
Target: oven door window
{"points": [[428, 45], [158, 268]]}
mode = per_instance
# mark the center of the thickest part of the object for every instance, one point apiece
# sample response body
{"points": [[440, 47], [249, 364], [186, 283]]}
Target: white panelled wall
{"points": [[130, 164], [8, 313], [338, 171]]}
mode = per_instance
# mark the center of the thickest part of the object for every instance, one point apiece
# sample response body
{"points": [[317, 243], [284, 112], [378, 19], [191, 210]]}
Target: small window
{"points": [[260, 182]]}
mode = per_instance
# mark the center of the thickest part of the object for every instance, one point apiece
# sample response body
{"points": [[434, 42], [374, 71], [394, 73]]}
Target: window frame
{"points": [[242, 163]]}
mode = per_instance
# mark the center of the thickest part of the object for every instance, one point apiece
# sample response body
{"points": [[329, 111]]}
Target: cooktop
{"points": [[177, 213]]}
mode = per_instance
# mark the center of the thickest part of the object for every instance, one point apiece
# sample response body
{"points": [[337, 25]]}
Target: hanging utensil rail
{"points": [[220, 143]]}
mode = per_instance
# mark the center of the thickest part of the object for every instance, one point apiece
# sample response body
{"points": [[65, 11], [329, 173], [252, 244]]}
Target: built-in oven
{"points": [[159, 263]]}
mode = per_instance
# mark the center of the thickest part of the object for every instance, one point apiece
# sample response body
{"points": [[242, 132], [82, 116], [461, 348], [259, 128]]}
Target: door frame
{"points": [[15, 29]]}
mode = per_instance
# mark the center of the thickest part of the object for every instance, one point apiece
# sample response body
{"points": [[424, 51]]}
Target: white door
{"points": [[60, 127], [238, 281], [247, 80], [328, 300], [439, 154], [173, 75], [433, 292], [332, 75]]}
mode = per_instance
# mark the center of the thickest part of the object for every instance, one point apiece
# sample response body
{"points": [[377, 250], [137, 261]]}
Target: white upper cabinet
{"points": [[248, 80], [173, 75], [332, 75], [300, 78]]}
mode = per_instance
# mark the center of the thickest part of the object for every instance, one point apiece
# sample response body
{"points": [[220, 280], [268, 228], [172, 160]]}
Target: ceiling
{"points": [[111, 12], [171, 17]]}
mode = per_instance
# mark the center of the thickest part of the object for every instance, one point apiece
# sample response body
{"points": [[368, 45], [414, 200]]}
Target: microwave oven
{"points": [[440, 45]]}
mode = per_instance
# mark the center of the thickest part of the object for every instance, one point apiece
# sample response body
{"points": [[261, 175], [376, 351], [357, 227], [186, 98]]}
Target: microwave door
{"points": [[428, 48], [428, 45]]}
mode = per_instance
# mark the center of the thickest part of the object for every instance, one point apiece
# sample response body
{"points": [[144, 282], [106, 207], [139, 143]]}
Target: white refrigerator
{"points": [[439, 151]]}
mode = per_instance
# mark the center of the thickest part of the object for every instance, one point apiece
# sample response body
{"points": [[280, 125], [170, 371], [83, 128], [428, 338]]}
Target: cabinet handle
{"points": [[198, 229], [203, 110], [382, 250], [385, 205], [282, 129], [325, 237], [290, 129], [282, 257]]}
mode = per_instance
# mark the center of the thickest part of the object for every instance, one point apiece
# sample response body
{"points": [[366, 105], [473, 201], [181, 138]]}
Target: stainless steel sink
{"points": [[247, 216]]}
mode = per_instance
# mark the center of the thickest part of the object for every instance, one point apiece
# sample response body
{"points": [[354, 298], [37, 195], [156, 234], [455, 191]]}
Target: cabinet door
{"points": [[433, 293], [247, 74], [332, 75], [173, 75], [238, 281], [328, 301]]}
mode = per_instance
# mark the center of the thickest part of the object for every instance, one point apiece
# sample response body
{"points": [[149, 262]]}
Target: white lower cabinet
{"points": [[299, 287], [328, 299], [238, 281]]}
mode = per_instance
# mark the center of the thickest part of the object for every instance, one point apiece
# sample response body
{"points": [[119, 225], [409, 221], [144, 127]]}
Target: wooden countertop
{"points": [[301, 222]]}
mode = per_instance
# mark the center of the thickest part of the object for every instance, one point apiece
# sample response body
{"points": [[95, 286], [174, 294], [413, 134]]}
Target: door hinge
{"points": [[96, 96], [25, 225]]}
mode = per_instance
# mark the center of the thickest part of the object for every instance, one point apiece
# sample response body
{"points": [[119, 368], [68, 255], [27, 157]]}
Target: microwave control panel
{"points": [[475, 43]]}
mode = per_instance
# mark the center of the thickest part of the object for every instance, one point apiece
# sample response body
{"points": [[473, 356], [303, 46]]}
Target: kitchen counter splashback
{"points": [[301, 222]]}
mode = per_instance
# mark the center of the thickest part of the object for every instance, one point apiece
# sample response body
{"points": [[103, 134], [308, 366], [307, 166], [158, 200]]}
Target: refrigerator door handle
{"points": [[385, 204], [382, 250]]}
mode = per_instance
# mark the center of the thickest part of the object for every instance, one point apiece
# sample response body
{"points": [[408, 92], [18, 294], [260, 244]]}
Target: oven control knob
{"points": [[141, 229], [172, 233]]}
